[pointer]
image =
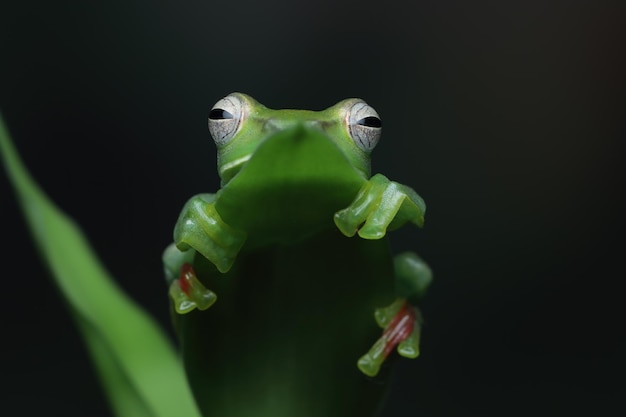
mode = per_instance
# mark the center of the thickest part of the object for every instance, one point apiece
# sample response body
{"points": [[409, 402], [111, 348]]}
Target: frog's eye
{"points": [[225, 119], [364, 125]]}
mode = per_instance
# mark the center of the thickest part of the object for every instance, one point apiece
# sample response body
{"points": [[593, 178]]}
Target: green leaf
{"points": [[292, 186], [140, 370]]}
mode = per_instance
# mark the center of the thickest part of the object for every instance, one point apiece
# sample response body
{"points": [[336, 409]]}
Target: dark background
{"points": [[505, 116]]}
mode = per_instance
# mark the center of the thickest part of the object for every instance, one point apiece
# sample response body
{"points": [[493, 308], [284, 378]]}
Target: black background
{"points": [[505, 116]]}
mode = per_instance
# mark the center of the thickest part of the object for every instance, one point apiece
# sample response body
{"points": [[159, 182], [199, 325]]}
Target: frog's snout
{"points": [[275, 125]]}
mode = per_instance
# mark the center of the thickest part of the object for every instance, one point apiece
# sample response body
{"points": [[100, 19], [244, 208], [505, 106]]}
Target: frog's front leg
{"points": [[201, 228], [401, 321], [379, 206]]}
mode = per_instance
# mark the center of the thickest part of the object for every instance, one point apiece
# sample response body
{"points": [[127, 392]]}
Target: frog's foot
{"points": [[379, 206], [401, 324], [188, 293], [200, 227]]}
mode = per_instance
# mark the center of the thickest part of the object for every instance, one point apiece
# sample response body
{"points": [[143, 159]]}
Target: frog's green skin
{"points": [[301, 301]]}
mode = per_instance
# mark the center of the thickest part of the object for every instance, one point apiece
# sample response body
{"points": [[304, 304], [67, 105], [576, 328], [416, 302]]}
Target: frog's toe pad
{"points": [[188, 293], [410, 347], [371, 362]]}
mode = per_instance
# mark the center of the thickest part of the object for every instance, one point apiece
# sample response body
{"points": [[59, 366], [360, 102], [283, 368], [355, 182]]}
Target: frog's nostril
{"points": [[316, 124], [274, 125]]}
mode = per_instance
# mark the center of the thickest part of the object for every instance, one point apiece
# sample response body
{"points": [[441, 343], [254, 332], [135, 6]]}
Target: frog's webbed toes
{"points": [[188, 293], [200, 227], [379, 206], [401, 324]]}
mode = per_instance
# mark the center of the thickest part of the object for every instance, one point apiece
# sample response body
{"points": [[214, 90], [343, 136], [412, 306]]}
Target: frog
{"points": [[295, 246]]}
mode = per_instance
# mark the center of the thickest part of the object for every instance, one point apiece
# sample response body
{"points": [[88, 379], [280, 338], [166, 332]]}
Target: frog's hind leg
{"points": [[186, 291], [401, 321]]}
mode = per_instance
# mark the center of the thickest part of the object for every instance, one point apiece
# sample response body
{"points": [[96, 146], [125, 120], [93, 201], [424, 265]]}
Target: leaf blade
{"points": [[115, 327]]}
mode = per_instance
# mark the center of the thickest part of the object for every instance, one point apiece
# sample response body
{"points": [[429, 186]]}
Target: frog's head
{"points": [[239, 124]]}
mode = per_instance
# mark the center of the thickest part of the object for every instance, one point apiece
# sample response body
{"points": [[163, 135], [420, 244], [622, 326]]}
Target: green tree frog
{"points": [[311, 301]]}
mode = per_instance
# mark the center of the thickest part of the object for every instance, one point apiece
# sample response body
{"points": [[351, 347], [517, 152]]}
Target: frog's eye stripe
{"points": [[364, 125]]}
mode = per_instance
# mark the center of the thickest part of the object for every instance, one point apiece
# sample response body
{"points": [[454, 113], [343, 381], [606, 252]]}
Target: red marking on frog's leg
{"points": [[188, 293], [399, 328], [186, 274], [402, 329]]}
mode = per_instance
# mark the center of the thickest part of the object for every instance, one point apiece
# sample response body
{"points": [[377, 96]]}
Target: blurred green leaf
{"points": [[140, 371]]}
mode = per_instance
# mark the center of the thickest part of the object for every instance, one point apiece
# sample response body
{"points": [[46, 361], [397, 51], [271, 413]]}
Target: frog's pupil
{"points": [[219, 114], [370, 121]]}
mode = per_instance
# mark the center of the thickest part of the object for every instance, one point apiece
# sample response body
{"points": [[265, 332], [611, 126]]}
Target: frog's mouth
{"points": [[297, 176]]}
